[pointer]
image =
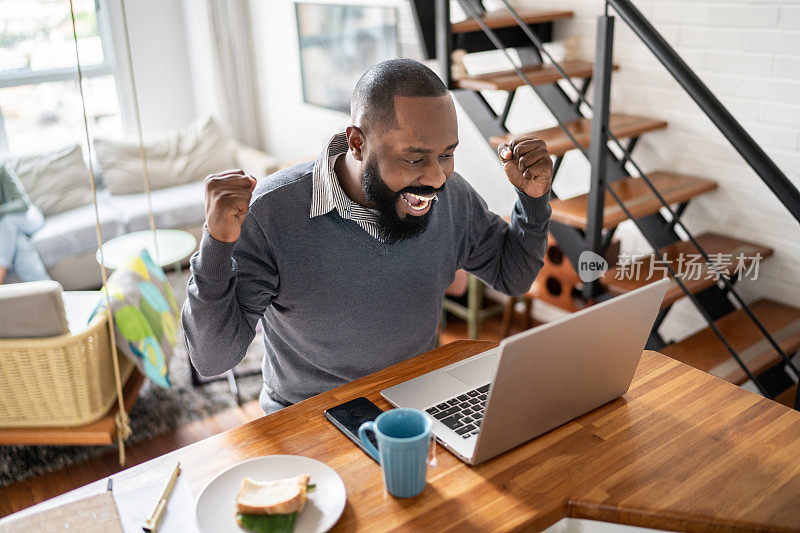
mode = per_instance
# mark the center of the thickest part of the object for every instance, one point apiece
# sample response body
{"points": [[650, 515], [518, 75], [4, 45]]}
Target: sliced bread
{"points": [[282, 496]]}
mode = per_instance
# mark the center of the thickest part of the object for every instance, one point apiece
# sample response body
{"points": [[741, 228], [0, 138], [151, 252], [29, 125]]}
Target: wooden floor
{"points": [[20, 495]]}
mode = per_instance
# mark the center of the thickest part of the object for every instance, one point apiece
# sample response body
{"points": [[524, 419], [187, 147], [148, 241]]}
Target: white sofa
{"points": [[178, 162]]}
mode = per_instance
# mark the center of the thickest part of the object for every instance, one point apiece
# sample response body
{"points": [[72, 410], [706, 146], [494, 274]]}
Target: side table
{"points": [[166, 247]]}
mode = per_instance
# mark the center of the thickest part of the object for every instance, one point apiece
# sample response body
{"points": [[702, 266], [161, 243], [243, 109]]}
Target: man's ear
{"points": [[355, 141]]}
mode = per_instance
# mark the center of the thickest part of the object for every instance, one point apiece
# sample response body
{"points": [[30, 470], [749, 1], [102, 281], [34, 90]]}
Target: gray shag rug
{"points": [[157, 410]]}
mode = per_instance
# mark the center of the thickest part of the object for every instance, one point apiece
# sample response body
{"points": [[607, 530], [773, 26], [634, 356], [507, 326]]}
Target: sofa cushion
{"points": [[33, 309], [55, 181], [72, 232], [173, 207], [173, 158]]}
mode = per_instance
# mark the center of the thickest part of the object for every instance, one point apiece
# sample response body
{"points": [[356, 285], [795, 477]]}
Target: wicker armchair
{"points": [[56, 380]]}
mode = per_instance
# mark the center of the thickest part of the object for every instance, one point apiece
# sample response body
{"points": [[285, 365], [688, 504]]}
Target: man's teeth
{"points": [[424, 201]]}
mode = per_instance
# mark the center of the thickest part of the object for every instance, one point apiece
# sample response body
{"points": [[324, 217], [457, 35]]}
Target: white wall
{"points": [[200, 50], [160, 64], [292, 129]]}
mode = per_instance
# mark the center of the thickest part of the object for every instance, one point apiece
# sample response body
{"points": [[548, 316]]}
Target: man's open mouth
{"points": [[417, 202]]}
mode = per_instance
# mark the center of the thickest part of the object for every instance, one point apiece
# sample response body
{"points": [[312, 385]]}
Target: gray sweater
{"points": [[335, 303]]}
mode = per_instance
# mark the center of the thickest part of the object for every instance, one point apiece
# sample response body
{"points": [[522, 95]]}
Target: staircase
{"points": [[742, 341]]}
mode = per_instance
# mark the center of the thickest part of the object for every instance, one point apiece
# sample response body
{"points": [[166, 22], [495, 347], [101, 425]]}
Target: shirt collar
{"points": [[327, 193]]}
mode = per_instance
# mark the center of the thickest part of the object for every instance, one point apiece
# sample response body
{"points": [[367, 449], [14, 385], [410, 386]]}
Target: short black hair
{"points": [[372, 102]]}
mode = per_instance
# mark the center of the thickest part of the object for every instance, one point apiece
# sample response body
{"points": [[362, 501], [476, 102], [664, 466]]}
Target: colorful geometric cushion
{"points": [[145, 314]]}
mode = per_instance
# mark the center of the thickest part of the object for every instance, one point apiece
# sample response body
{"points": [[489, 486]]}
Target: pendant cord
{"points": [[140, 135], [121, 418]]}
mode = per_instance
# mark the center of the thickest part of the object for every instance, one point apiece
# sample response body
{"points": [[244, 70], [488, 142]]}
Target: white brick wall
{"points": [[748, 52]]}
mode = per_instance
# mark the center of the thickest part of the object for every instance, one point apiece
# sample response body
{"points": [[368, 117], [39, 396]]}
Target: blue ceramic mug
{"points": [[404, 439]]}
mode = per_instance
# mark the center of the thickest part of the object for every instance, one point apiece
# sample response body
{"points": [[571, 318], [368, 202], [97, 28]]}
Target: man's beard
{"points": [[392, 228]]}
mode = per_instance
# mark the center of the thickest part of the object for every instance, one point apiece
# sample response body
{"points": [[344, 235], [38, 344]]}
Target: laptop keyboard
{"points": [[464, 413]]}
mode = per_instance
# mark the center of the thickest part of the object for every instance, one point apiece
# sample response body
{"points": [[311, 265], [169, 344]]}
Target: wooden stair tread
{"points": [[558, 143], [502, 18], [102, 432], [637, 196], [705, 351], [508, 80], [616, 279], [787, 397]]}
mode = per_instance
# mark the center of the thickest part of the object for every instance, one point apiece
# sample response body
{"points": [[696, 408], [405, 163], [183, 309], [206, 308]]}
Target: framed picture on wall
{"points": [[338, 42]]}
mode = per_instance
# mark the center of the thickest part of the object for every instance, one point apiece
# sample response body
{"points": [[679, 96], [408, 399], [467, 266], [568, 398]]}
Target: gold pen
{"points": [[152, 523]]}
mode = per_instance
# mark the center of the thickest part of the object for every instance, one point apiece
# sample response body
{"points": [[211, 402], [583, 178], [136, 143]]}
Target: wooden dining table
{"points": [[681, 450]]}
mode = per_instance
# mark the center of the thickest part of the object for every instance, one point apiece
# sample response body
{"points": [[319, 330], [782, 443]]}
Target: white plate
{"points": [[216, 507]]}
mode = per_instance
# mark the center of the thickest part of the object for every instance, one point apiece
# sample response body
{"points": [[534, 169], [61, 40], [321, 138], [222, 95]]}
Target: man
{"points": [[346, 260]]}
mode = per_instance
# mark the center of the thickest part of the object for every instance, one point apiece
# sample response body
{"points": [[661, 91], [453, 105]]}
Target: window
{"points": [[40, 107]]}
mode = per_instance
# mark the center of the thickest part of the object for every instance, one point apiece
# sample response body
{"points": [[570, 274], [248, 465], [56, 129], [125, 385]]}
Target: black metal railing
{"points": [[601, 134], [749, 149], [767, 170]]}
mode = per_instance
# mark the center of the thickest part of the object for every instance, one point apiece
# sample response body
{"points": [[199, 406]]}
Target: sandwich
{"points": [[271, 506]]}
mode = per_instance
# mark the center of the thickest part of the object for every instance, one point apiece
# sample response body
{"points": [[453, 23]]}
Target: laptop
{"points": [[536, 380]]}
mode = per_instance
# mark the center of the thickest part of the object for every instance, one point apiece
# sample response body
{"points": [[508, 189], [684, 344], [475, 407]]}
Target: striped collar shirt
{"points": [[327, 194]]}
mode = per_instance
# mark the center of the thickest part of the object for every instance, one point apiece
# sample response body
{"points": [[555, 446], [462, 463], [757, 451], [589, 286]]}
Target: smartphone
{"points": [[349, 416]]}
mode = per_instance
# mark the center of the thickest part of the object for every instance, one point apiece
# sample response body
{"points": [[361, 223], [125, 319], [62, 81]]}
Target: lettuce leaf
{"points": [[260, 523]]}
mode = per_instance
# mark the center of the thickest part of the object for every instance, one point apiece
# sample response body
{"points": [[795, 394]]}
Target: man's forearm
{"points": [[217, 331], [526, 242], [512, 256]]}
